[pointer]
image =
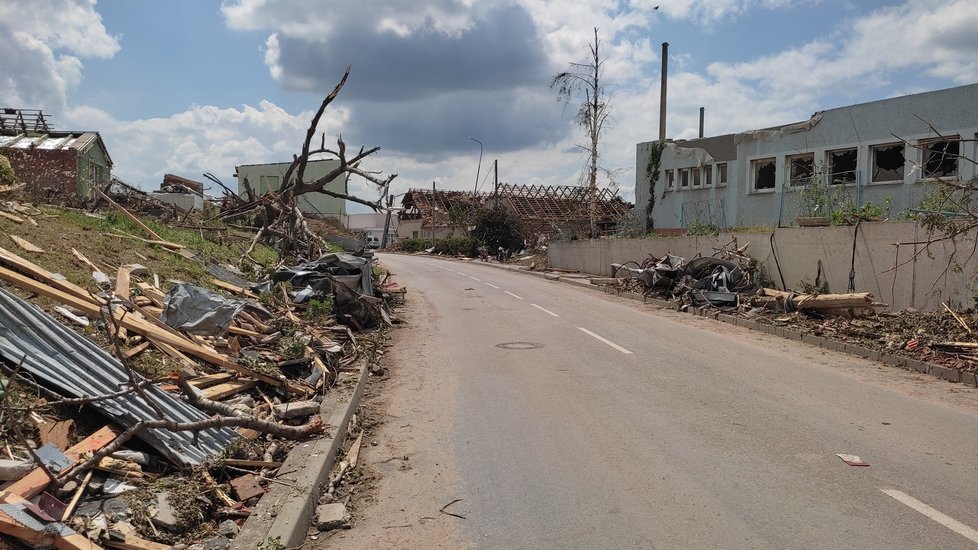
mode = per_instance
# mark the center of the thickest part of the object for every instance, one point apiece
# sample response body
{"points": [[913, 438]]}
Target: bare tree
{"points": [[282, 218], [592, 114]]}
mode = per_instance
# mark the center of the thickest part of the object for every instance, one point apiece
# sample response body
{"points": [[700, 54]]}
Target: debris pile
{"points": [[153, 411]]}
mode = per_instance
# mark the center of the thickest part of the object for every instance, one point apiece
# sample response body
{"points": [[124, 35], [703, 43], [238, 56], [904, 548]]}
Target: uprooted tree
{"points": [[283, 224]]}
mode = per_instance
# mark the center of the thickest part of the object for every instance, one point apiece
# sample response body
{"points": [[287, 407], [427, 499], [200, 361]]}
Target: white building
{"points": [[883, 152], [265, 177]]}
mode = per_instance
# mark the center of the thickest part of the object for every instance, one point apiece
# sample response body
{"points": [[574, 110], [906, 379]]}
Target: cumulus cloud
{"points": [[202, 139], [42, 43]]}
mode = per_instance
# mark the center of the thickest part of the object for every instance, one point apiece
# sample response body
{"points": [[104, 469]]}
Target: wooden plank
{"points": [[132, 542], [81, 257], [151, 292], [128, 214], [26, 245], [132, 352], [233, 288], [245, 332], [209, 380], [33, 483], [11, 217], [227, 389], [78, 494], [14, 261], [242, 463], [122, 282]]}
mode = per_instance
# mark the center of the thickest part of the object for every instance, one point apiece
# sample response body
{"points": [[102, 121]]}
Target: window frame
{"points": [[925, 145], [873, 149], [722, 167], [708, 176], [755, 165], [831, 166], [670, 179], [683, 178], [789, 162], [696, 177]]}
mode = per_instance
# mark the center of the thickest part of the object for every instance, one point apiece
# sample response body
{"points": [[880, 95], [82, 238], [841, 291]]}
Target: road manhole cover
{"points": [[519, 345]]}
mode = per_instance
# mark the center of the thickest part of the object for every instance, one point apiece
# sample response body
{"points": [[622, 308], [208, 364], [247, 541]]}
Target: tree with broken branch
{"points": [[592, 114], [282, 218]]}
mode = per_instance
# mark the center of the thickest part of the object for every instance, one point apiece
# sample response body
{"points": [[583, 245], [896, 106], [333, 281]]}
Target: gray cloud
{"points": [[499, 51]]}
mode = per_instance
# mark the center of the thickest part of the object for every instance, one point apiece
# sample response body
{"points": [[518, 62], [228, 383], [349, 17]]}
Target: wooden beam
{"points": [[227, 389], [233, 288], [26, 245], [209, 380], [14, 261], [33, 483], [11, 217], [128, 214]]}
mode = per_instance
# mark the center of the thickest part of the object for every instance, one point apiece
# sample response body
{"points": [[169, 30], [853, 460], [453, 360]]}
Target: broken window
{"points": [[708, 175], [842, 166], [670, 179], [800, 169], [941, 157], [684, 178], [764, 172], [721, 174], [888, 162], [696, 177]]}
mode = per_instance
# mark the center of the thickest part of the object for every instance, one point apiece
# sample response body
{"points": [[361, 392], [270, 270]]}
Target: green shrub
{"points": [[458, 246], [416, 244], [6, 172]]}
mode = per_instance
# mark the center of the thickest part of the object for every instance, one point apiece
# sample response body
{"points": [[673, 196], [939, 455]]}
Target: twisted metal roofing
{"points": [[74, 366]]}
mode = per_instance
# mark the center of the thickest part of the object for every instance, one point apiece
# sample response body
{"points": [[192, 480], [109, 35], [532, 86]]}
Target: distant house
{"points": [[544, 212], [263, 178], [885, 152], [185, 194], [371, 226], [53, 163]]}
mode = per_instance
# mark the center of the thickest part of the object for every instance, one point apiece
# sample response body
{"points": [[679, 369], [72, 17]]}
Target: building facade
{"points": [[268, 177], [888, 153]]}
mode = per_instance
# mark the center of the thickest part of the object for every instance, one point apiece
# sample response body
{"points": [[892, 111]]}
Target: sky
{"points": [[194, 86]]}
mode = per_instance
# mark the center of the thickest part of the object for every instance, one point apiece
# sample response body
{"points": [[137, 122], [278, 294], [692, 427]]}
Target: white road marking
{"points": [[939, 517], [475, 278], [492, 285], [605, 340], [513, 295], [545, 310], [462, 274]]}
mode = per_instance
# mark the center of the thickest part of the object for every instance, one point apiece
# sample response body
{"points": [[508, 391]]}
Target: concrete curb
{"points": [[581, 280], [285, 510]]}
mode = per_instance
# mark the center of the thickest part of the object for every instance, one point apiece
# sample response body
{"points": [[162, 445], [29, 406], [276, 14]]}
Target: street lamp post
{"points": [[479, 168]]}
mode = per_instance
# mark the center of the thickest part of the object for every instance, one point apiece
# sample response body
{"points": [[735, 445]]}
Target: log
{"points": [[820, 301]]}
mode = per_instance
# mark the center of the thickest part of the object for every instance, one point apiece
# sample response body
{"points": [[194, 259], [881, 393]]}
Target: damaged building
{"points": [[54, 164], [885, 152], [262, 178], [545, 212]]}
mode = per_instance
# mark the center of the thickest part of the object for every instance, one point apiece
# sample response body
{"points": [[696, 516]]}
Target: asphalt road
{"points": [[580, 420]]}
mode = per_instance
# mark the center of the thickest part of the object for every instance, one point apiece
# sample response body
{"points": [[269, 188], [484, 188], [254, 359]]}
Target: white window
{"points": [[842, 166], [800, 169], [267, 183], [940, 159], [763, 173], [684, 178], [708, 175], [697, 180], [670, 179], [888, 162], [721, 174]]}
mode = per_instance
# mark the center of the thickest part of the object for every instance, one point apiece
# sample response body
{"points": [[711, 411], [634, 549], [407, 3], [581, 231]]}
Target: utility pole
{"points": [[495, 185], [434, 209], [387, 222], [478, 168]]}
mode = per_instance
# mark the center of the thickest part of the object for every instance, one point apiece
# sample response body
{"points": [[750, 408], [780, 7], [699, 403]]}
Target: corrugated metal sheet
{"points": [[66, 361]]}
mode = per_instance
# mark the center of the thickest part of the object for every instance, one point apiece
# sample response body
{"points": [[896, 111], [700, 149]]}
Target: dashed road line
{"points": [[513, 295], [605, 340], [936, 515], [545, 310], [493, 286], [475, 278]]}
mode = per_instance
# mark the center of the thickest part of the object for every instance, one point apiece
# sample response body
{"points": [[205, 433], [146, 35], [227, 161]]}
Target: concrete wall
{"points": [[862, 127], [922, 282]]}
